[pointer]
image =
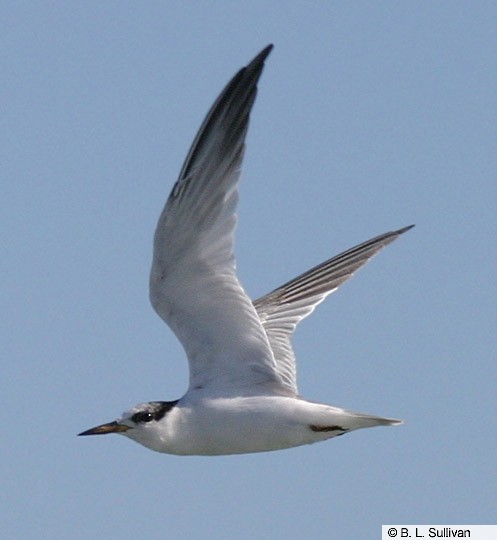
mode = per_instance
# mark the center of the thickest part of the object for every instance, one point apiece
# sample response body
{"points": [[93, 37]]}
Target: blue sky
{"points": [[370, 116]]}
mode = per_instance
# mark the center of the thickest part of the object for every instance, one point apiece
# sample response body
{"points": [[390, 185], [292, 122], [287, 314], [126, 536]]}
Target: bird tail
{"points": [[368, 420]]}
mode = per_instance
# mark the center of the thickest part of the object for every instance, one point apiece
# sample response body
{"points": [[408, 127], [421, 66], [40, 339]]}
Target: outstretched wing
{"points": [[281, 310], [193, 285]]}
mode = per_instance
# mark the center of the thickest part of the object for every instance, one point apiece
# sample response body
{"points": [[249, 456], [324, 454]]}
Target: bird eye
{"points": [[142, 417]]}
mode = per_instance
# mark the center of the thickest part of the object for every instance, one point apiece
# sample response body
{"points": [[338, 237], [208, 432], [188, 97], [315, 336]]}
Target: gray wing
{"points": [[281, 310], [193, 284]]}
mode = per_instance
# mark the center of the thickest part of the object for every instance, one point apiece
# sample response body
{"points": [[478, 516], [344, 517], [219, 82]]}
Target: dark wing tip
{"points": [[404, 229], [233, 103], [255, 67], [261, 57], [252, 71]]}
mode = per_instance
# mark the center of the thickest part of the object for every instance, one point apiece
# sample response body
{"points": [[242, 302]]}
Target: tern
{"points": [[242, 395]]}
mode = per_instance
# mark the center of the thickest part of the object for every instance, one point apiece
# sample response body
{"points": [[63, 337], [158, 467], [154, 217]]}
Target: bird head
{"points": [[141, 423]]}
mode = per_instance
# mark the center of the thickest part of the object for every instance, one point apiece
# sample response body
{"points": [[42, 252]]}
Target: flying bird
{"points": [[242, 395]]}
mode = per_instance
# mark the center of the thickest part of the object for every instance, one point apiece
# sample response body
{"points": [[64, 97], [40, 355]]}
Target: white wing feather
{"points": [[193, 284]]}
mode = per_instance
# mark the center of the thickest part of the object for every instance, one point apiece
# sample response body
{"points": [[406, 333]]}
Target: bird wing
{"points": [[281, 310], [193, 284]]}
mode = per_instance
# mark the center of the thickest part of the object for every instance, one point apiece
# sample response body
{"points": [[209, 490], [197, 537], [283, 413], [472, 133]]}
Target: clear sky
{"points": [[370, 116]]}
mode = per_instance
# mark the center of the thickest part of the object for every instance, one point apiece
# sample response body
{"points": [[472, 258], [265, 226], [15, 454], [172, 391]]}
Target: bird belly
{"points": [[248, 424]]}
